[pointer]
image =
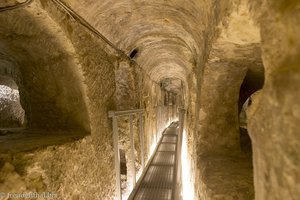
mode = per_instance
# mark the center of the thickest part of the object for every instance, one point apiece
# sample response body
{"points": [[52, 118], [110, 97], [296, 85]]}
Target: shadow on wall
{"points": [[51, 92]]}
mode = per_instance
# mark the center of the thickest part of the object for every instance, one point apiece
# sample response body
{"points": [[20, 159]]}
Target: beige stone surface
{"points": [[207, 56], [72, 171], [110, 82], [226, 177], [46, 69], [274, 115], [53, 68]]}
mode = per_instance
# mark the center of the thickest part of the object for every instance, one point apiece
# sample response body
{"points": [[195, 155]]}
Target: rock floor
{"points": [[227, 177]]}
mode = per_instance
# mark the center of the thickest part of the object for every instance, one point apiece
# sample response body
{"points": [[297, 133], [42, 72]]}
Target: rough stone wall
{"points": [[234, 52], [126, 98], [80, 170], [72, 171], [149, 102], [273, 117], [219, 129], [98, 62], [90, 64], [221, 171], [192, 101], [51, 89]]}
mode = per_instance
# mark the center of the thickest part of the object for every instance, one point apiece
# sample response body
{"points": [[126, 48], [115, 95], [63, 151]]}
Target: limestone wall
{"points": [[274, 114], [59, 66], [219, 169], [69, 78], [85, 73], [50, 86]]}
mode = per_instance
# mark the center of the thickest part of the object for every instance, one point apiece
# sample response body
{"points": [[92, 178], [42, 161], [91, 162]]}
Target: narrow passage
{"points": [[159, 180]]}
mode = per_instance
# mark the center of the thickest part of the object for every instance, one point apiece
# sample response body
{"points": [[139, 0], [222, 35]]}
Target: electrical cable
{"points": [[18, 5]]}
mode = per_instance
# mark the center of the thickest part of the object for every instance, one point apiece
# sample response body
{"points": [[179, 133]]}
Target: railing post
{"points": [[132, 151], [179, 145], [117, 156], [141, 131], [157, 124], [114, 115], [160, 121], [169, 117]]}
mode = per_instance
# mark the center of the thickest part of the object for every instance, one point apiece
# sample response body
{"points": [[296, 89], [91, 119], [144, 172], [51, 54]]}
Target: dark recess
{"points": [[133, 53]]}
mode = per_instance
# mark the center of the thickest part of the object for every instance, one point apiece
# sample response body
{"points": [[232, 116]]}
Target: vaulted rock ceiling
{"points": [[168, 35]]}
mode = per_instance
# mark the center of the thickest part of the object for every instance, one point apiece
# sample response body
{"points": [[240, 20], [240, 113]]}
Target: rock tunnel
{"points": [[221, 77]]}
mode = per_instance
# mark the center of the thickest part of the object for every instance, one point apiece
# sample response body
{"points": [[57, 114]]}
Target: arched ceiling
{"points": [[166, 34]]}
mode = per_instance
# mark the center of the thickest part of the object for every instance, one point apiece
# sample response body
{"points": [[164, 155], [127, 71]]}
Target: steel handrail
{"points": [[182, 112], [114, 115], [70, 12], [124, 112], [83, 22]]}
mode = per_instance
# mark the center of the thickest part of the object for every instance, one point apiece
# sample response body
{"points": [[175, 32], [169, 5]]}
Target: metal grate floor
{"points": [[153, 193], [169, 139], [164, 158], [167, 147], [159, 180]]}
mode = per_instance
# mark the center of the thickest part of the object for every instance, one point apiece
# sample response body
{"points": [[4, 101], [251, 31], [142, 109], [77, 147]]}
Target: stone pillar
{"points": [[274, 115]]}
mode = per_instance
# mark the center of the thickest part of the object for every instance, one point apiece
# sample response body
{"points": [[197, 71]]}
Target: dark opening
{"points": [[254, 81], [245, 140], [12, 114], [133, 53]]}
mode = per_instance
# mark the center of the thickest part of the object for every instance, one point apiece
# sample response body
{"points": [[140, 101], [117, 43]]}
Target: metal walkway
{"points": [[158, 182]]}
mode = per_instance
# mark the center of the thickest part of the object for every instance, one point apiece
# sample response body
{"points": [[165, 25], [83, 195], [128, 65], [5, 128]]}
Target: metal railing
{"points": [[159, 122], [159, 183], [86, 24], [73, 14], [114, 115], [181, 112]]}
